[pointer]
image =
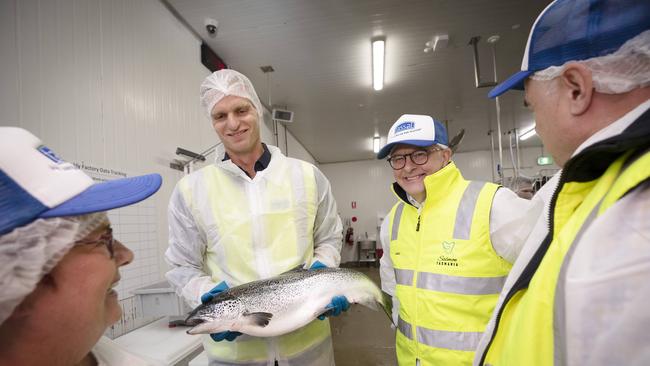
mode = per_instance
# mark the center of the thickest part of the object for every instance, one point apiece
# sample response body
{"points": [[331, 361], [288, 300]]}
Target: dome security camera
{"points": [[211, 26]]}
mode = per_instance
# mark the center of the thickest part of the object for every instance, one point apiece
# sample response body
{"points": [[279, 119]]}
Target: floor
{"points": [[362, 336]]}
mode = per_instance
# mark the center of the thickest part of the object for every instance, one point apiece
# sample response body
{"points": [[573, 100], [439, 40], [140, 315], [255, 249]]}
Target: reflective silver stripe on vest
{"points": [[459, 341], [405, 328], [404, 277], [396, 219], [460, 285], [559, 314], [463, 225], [231, 363]]}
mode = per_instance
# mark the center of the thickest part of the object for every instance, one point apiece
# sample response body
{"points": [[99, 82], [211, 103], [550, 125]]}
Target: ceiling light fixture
{"points": [[375, 144], [378, 47], [528, 134]]}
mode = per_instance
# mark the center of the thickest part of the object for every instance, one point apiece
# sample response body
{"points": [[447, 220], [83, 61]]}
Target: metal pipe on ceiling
{"points": [[491, 134], [479, 84], [493, 40]]}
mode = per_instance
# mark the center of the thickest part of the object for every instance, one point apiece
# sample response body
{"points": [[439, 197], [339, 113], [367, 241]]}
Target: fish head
{"points": [[219, 315]]}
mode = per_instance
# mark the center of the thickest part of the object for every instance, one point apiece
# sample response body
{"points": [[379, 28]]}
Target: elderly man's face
{"points": [[76, 302], [236, 122], [552, 120], [411, 176]]}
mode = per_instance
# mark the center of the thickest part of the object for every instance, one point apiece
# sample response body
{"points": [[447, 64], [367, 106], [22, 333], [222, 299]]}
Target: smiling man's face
{"points": [[236, 122], [411, 176]]}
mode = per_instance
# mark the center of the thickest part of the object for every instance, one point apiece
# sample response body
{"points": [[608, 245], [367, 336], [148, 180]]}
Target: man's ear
{"points": [[446, 154], [46, 284], [577, 87]]}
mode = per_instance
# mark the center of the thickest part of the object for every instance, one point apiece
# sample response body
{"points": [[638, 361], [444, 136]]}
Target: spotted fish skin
{"points": [[281, 304]]}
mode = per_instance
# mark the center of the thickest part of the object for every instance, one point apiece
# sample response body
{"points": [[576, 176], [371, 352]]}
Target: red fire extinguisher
{"points": [[349, 236]]}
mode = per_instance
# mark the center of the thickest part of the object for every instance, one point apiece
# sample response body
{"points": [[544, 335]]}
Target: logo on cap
{"points": [[50, 154], [404, 126]]}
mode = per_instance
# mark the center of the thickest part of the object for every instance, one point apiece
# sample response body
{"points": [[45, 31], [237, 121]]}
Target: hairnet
{"points": [[29, 252], [519, 182], [616, 73], [228, 82]]}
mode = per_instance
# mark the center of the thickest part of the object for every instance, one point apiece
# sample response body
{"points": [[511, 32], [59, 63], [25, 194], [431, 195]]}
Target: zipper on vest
{"points": [[524, 278], [417, 227]]}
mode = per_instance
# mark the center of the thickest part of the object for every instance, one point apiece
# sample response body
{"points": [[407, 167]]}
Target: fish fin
{"points": [[298, 268], [385, 303], [260, 319]]}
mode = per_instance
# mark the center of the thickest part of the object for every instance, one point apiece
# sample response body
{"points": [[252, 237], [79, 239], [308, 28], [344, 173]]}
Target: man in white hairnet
{"points": [[59, 262], [522, 186], [253, 214], [579, 291]]}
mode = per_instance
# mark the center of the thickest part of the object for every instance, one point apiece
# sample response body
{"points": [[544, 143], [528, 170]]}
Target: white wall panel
{"points": [[294, 147], [367, 182], [111, 84]]}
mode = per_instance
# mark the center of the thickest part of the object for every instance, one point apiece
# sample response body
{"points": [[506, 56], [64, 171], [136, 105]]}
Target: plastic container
{"points": [[160, 299]]}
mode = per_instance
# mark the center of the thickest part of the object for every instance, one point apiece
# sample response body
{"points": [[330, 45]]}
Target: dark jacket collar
{"points": [[592, 162], [261, 163]]}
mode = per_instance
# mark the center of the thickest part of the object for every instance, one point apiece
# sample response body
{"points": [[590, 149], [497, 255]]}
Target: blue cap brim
{"points": [[108, 195], [516, 81], [386, 149]]}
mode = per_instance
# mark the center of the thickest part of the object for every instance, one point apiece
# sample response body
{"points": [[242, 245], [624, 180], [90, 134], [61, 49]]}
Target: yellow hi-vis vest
{"points": [[447, 273], [531, 329], [257, 228]]}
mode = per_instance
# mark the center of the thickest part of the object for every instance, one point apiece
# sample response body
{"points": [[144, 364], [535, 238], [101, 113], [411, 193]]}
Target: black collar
{"points": [[401, 193], [261, 163]]}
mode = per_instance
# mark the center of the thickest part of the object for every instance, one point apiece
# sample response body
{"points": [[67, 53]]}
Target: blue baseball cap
{"points": [[36, 183], [569, 30], [416, 130]]}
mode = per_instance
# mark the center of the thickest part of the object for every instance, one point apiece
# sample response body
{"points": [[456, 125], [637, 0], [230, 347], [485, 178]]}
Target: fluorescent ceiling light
{"points": [[528, 134], [378, 64], [375, 144]]}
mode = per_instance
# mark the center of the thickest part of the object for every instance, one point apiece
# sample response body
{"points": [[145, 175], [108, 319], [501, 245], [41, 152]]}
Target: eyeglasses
{"points": [[106, 239], [419, 157]]}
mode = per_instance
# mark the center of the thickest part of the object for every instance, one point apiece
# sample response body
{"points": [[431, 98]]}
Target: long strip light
{"points": [[378, 47], [528, 134], [375, 144]]}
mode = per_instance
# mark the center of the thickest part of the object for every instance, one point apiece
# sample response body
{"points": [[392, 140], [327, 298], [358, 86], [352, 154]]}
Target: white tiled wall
{"points": [[111, 84]]}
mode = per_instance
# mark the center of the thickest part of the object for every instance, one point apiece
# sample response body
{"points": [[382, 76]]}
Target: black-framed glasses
{"points": [[106, 239], [419, 157]]}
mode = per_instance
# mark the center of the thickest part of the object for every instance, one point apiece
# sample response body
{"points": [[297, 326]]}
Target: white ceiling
{"points": [[321, 53]]}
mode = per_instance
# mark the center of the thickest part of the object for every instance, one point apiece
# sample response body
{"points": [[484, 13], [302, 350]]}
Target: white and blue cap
{"points": [[416, 130], [574, 30], [36, 183]]}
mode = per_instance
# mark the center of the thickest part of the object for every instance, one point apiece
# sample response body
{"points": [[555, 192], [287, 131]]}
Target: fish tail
{"points": [[387, 304]]}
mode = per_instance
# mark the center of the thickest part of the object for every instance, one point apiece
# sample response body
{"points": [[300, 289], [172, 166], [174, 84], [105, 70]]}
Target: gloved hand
{"points": [[338, 304], [207, 297], [317, 265]]}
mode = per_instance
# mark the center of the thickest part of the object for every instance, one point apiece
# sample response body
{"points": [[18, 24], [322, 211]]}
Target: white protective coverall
{"points": [[606, 282], [225, 226]]}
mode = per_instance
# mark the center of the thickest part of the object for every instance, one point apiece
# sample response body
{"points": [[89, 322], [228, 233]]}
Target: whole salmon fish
{"points": [[284, 303]]}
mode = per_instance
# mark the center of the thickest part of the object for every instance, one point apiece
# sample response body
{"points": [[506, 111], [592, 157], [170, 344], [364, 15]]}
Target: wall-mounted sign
{"points": [[544, 160]]}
